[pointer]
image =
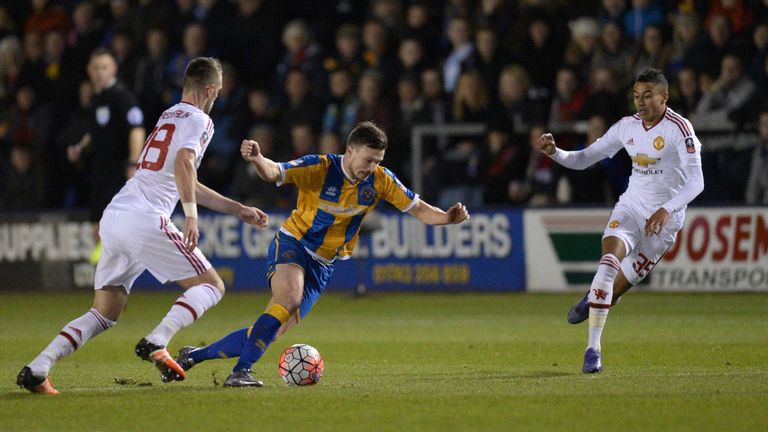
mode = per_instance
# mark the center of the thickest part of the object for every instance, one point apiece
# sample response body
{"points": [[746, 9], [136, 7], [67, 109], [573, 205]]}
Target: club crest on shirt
{"points": [[102, 115], [367, 194], [286, 255], [203, 138], [613, 224], [690, 147], [658, 143]]}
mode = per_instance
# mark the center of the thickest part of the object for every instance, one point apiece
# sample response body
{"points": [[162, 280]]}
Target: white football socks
{"points": [[188, 308], [73, 336], [600, 296]]}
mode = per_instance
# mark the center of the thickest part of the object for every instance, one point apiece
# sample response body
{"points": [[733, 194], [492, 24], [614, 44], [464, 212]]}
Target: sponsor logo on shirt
{"points": [[631, 141], [658, 143], [690, 147], [289, 254], [203, 138], [340, 211], [296, 162], [648, 171], [331, 191], [643, 160]]}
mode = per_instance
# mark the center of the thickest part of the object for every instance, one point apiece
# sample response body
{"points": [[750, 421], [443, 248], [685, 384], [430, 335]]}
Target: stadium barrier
{"points": [[719, 249]]}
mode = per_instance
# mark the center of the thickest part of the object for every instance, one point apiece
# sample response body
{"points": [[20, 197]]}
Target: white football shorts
{"points": [[134, 242], [643, 252]]}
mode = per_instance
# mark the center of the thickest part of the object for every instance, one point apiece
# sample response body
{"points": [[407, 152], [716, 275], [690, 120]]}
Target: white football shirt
{"points": [[658, 155], [153, 188]]}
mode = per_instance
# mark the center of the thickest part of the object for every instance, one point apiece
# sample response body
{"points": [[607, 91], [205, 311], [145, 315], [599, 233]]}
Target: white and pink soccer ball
{"points": [[301, 364]]}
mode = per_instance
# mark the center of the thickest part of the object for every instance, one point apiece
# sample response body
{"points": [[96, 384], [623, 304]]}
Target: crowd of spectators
{"points": [[299, 74]]}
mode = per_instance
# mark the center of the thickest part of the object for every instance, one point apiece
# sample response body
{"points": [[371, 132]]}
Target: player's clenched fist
{"points": [[250, 150], [254, 216], [458, 213], [546, 144]]}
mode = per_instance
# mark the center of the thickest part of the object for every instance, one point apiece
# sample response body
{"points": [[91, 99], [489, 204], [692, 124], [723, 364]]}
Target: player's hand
{"points": [[250, 150], [254, 216], [457, 213], [656, 222], [546, 144], [191, 233]]}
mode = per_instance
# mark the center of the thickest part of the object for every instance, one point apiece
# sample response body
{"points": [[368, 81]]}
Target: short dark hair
{"points": [[655, 76], [369, 135], [202, 71], [101, 51]]}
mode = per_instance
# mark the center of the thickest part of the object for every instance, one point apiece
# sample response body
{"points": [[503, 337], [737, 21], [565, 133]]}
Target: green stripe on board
{"points": [[579, 278], [577, 246]]}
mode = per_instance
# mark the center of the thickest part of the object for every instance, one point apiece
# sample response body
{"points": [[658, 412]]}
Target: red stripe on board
{"points": [[69, 337], [189, 308]]}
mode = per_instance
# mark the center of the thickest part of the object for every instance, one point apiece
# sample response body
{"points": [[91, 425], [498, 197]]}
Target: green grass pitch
{"points": [[404, 362]]}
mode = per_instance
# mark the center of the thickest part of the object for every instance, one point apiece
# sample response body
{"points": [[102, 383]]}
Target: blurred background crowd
{"points": [[299, 74]]}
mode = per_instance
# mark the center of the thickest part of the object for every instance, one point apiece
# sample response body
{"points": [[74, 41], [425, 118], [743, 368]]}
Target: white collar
{"points": [[349, 177]]}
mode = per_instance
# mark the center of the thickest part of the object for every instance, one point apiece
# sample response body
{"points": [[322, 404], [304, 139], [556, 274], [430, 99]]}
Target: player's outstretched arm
{"points": [[432, 215], [267, 169], [213, 200], [578, 159]]}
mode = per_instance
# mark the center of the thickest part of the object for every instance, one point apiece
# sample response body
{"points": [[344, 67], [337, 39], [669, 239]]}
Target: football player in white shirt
{"points": [[137, 234], [666, 176]]}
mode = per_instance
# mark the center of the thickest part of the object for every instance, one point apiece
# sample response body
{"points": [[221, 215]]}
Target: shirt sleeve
{"points": [[134, 116], [694, 184], [689, 147], [605, 147], [393, 191], [193, 134], [302, 172]]}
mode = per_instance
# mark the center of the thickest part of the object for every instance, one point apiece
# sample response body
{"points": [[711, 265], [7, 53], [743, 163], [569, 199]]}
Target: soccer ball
{"points": [[300, 364]]}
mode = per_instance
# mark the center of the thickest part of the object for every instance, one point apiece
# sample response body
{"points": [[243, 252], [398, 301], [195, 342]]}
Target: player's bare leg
{"points": [[287, 290], [108, 304], [229, 346], [201, 293]]}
